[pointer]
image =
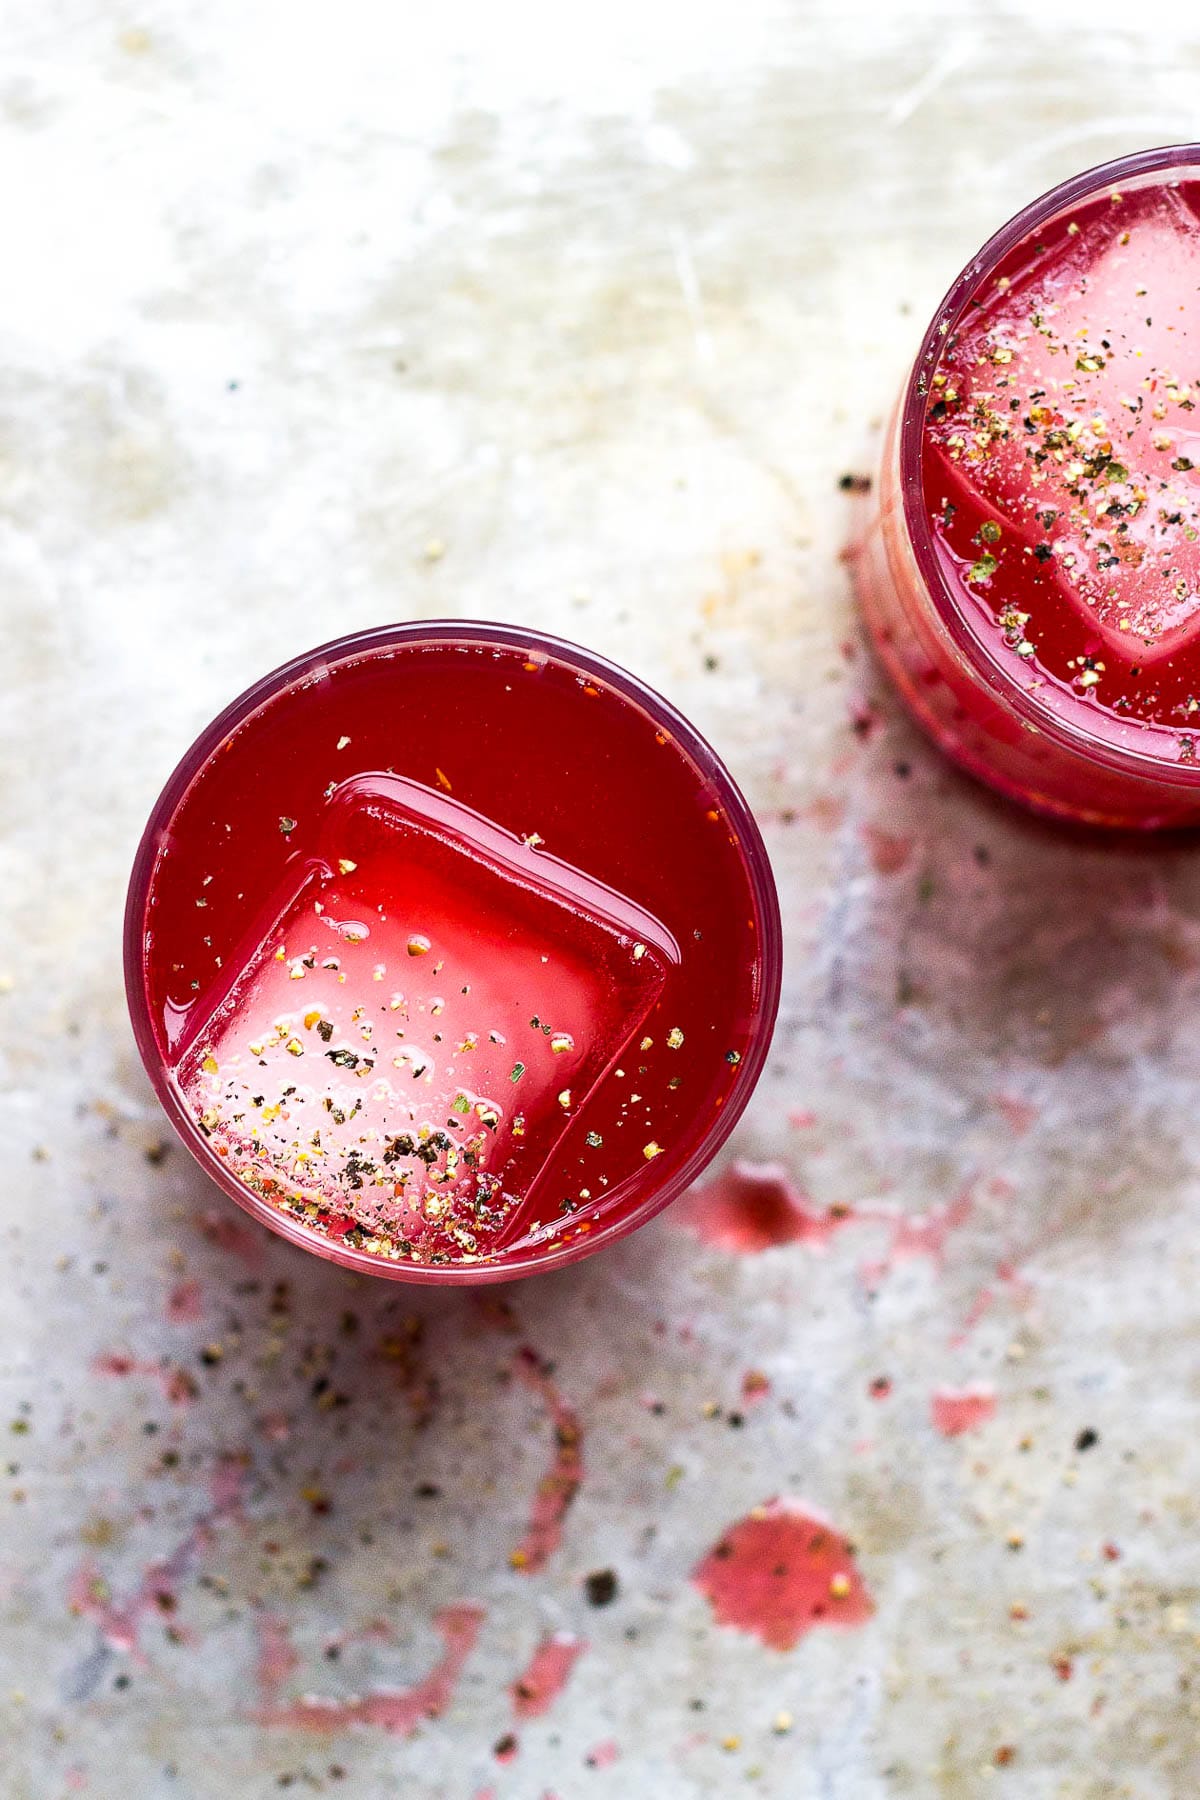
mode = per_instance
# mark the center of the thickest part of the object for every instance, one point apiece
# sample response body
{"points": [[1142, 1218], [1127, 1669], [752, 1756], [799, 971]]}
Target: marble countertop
{"points": [[317, 318]]}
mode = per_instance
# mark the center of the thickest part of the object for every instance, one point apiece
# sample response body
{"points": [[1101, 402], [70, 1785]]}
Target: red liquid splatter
{"points": [[780, 1572], [604, 1755], [120, 1621], [535, 1691], [397, 1711], [176, 1383], [1061, 467], [957, 1410], [560, 1484], [750, 1207], [918, 1234]]}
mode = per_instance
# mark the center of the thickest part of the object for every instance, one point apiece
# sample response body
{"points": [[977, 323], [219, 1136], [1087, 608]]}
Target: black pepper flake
{"points": [[855, 484], [601, 1587], [1087, 1439]]}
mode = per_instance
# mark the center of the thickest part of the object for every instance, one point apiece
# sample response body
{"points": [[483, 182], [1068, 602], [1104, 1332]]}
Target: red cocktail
{"points": [[1032, 575], [452, 952]]}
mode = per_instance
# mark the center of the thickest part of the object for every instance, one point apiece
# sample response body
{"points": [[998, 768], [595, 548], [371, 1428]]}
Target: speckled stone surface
{"points": [[315, 318]]}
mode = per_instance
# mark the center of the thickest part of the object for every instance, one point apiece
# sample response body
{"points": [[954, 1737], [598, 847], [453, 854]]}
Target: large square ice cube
{"points": [[427, 1007]]}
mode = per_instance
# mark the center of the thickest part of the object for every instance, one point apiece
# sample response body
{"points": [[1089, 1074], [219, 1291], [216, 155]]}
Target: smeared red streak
{"points": [[534, 1692], [604, 1755], [1020, 1115], [178, 1386], [120, 1622], [750, 1207], [560, 1484], [398, 1711], [229, 1233], [184, 1303], [957, 1410], [888, 850], [780, 1572]]}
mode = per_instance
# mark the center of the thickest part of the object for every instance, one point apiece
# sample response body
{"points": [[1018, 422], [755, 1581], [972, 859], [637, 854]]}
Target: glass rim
{"points": [[753, 856], [1006, 687]]}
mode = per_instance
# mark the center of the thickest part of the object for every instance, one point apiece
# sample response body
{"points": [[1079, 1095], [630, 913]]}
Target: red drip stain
{"points": [[178, 1386], [780, 1572], [507, 1748], [957, 1410], [888, 850], [880, 1387], [604, 1755], [560, 1484], [184, 1303], [119, 1621], [1063, 1667], [397, 1711], [750, 1207], [755, 1387], [802, 1118], [534, 1692], [1020, 1115], [230, 1233]]}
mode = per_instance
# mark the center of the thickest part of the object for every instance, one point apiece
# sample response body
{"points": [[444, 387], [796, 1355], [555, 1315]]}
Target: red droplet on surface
{"points": [[779, 1573], [956, 1410], [750, 1207]]}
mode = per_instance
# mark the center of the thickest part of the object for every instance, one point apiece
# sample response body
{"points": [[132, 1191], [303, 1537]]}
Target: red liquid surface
{"points": [[1061, 466], [451, 947]]}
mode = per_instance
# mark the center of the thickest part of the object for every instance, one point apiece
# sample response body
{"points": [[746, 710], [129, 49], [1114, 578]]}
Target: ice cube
{"points": [[428, 1006], [1067, 418]]}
